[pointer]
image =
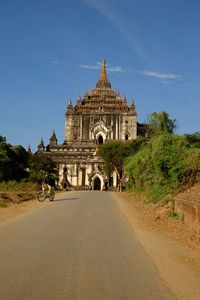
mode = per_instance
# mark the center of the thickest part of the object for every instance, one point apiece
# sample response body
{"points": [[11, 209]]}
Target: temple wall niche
{"points": [[85, 127]]}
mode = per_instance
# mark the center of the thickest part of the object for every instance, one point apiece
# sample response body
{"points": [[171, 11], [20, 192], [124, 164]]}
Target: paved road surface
{"points": [[79, 247]]}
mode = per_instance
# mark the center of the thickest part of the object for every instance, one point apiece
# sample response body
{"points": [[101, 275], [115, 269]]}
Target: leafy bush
{"points": [[163, 166], [7, 185], [193, 139], [191, 166]]}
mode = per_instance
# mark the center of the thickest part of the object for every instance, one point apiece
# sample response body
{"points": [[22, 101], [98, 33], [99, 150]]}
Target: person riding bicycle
{"points": [[48, 183]]}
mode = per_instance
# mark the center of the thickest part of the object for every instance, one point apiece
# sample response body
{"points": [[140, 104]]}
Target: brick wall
{"points": [[187, 204]]}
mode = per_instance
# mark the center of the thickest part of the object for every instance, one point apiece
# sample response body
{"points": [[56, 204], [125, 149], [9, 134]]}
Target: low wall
{"points": [[187, 205]]}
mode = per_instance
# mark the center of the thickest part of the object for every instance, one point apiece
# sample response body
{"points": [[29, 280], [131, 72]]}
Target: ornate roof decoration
{"points": [[124, 100], [79, 100], [53, 138], [69, 103], [102, 99], [103, 82], [69, 107], [41, 145], [41, 142], [132, 104]]}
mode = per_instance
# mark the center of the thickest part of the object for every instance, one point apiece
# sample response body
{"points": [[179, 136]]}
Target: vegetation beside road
{"points": [[17, 164], [157, 167], [166, 165], [22, 172]]}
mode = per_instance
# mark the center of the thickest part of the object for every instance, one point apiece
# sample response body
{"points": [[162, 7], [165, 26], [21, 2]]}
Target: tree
{"points": [[114, 155], [6, 159], [13, 161], [2, 139], [193, 139], [16, 163], [21, 156], [160, 123], [41, 165]]}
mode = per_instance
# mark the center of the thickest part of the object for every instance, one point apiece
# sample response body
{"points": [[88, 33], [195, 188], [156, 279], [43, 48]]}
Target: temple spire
{"points": [[103, 82], [103, 71], [53, 139], [41, 146]]}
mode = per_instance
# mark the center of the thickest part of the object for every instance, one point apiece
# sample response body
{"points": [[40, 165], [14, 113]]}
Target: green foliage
{"points": [[17, 164], [21, 155], [191, 166], [160, 123], [2, 139], [166, 200], [13, 161], [162, 166], [115, 153], [41, 165], [7, 185], [193, 139]]}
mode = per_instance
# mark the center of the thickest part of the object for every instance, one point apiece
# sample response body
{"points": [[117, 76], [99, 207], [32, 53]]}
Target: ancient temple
{"points": [[100, 116]]}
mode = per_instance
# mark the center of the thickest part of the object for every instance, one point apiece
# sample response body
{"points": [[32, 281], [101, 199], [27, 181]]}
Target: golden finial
{"points": [[103, 71], [132, 102]]}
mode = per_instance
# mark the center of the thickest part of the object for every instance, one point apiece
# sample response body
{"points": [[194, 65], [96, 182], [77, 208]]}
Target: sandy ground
{"points": [[174, 249], [15, 210]]}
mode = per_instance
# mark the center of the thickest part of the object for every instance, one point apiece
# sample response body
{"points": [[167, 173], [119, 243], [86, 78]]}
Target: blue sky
{"points": [[50, 52]]}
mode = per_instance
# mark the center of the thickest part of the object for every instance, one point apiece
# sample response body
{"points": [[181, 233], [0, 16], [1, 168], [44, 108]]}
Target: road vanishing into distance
{"points": [[79, 247]]}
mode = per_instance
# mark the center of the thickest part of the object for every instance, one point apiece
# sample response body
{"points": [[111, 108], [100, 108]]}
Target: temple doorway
{"points": [[126, 137], [100, 140], [97, 184]]}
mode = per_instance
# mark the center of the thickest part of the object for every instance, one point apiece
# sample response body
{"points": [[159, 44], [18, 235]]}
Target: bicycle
{"points": [[45, 193]]}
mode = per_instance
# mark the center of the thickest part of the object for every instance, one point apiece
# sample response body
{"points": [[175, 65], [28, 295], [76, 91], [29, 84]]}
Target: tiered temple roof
{"points": [[101, 99]]}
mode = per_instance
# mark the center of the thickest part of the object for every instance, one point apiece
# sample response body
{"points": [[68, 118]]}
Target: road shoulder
{"points": [[173, 248], [16, 210]]}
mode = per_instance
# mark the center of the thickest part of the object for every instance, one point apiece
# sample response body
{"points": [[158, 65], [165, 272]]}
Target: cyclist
{"points": [[48, 183]]}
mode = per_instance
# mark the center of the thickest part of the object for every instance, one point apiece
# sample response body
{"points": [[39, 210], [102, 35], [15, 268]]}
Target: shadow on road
{"points": [[66, 199]]}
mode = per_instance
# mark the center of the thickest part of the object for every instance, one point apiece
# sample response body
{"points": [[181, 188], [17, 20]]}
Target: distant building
{"points": [[101, 116]]}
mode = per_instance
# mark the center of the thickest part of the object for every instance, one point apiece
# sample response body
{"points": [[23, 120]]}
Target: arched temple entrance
{"points": [[100, 140], [97, 184], [126, 137]]}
